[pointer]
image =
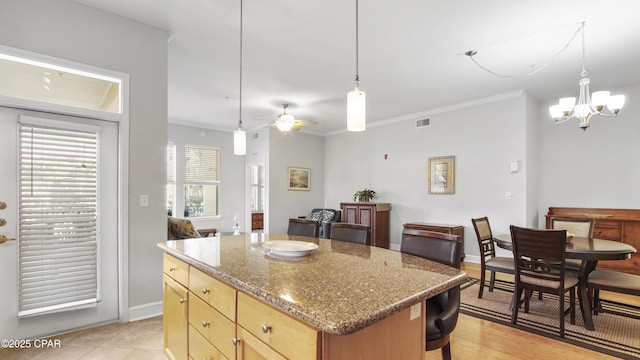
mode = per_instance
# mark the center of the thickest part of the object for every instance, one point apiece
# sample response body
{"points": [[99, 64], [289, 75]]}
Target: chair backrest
{"points": [[355, 233], [580, 227], [485, 238], [440, 247], [303, 227], [539, 253]]}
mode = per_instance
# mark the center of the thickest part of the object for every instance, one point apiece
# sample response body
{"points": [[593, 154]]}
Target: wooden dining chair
{"points": [[579, 228], [442, 309], [355, 233], [614, 281], [488, 259], [303, 227], [539, 262]]}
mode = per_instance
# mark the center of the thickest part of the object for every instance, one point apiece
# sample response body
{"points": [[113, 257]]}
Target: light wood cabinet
{"points": [[250, 348], [214, 327], [621, 225], [175, 319], [214, 292], [375, 215], [288, 336]]}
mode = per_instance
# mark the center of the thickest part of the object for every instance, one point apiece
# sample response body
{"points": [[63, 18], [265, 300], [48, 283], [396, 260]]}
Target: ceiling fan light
{"points": [[356, 110], [284, 125], [239, 142]]}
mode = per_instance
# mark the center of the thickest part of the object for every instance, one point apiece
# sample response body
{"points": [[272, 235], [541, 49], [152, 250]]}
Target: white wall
{"points": [[484, 137], [293, 150], [598, 167], [232, 172], [68, 30]]}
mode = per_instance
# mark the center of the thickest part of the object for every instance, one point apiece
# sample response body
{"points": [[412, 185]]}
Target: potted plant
{"points": [[364, 195]]}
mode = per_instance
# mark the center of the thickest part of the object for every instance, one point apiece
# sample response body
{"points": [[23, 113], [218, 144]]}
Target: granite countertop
{"points": [[340, 288]]}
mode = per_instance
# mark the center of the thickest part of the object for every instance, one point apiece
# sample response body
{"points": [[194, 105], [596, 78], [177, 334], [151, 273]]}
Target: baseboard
{"points": [[141, 312], [472, 259]]}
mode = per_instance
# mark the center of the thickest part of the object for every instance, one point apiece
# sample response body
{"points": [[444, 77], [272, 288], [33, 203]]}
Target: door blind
{"points": [[58, 211]]}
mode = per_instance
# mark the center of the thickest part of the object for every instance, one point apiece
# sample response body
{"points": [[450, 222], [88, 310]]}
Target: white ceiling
{"points": [[411, 54]]}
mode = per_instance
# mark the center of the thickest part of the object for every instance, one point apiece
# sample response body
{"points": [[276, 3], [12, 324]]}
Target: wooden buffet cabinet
{"points": [[621, 225], [375, 215]]}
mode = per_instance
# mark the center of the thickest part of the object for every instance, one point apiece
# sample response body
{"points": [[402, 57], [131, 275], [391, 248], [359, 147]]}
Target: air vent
{"points": [[255, 136], [423, 122]]}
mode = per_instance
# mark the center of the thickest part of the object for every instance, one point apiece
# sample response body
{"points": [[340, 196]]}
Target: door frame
{"points": [[123, 150]]}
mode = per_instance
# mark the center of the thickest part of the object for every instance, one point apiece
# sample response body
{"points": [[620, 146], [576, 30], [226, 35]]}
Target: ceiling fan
{"points": [[287, 122]]}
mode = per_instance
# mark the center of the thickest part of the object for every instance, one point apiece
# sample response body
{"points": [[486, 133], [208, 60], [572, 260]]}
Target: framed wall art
{"points": [[441, 175], [299, 179]]}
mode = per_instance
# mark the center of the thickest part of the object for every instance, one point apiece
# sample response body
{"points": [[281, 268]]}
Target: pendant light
{"points": [[356, 99], [240, 136]]}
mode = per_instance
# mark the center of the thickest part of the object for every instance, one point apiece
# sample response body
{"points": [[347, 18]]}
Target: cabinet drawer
{"points": [[288, 336], [176, 269], [214, 326], [214, 292], [200, 348], [607, 233]]}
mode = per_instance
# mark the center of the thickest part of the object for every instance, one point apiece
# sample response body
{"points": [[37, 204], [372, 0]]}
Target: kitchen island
{"points": [[227, 298]]}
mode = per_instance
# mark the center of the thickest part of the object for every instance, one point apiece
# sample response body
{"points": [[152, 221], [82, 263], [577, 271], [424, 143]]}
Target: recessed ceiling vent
{"points": [[423, 122], [255, 136]]}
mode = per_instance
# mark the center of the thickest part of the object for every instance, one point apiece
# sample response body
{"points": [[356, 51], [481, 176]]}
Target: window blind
{"points": [[58, 219], [201, 164]]}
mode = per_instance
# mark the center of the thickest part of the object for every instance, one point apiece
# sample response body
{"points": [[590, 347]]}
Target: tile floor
{"points": [[139, 340]]}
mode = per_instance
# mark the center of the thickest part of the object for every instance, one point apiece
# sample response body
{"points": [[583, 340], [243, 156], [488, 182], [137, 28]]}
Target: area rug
{"points": [[614, 335]]}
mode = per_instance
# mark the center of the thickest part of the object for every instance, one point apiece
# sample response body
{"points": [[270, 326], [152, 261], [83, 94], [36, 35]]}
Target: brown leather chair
{"points": [[355, 233], [539, 257], [442, 309], [488, 259], [303, 227]]}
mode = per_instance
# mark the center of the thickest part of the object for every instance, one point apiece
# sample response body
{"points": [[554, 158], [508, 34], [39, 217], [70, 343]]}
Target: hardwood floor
{"points": [[475, 338]]}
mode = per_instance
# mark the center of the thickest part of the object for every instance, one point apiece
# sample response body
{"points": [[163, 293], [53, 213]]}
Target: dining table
{"points": [[589, 251]]}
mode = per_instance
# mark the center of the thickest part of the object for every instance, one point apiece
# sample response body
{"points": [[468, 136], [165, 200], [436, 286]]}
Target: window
{"points": [[171, 178], [58, 228], [257, 187], [193, 181]]}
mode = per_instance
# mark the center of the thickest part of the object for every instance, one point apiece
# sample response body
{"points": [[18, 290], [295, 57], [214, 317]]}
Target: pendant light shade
{"points": [[356, 109], [239, 142]]}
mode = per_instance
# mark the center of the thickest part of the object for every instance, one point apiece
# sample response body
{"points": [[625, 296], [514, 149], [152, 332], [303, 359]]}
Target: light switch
{"points": [[514, 166], [144, 200]]}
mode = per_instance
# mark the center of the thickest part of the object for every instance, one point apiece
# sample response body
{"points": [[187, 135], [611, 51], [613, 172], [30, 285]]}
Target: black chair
{"points": [[539, 261], [488, 259], [303, 227], [355, 233], [442, 309], [613, 281]]}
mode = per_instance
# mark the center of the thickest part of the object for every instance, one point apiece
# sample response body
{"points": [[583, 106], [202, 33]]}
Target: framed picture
{"points": [[299, 179], [441, 175]]}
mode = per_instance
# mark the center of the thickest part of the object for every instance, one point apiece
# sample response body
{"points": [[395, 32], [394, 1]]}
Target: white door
{"points": [[106, 309]]}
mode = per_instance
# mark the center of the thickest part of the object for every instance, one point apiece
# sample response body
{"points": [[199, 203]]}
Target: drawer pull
{"points": [[235, 341], [266, 328], [205, 323], [182, 300], [172, 269], [205, 291]]}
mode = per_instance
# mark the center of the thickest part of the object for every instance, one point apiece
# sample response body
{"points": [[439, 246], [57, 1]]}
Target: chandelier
{"points": [[587, 106]]}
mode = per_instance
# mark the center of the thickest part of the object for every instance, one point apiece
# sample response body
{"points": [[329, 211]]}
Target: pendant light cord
{"points": [[240, 108], [584, 53], [357, 42]]}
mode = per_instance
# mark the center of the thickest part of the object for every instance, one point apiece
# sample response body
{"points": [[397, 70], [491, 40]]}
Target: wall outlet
{"points": [[508, 195]]}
